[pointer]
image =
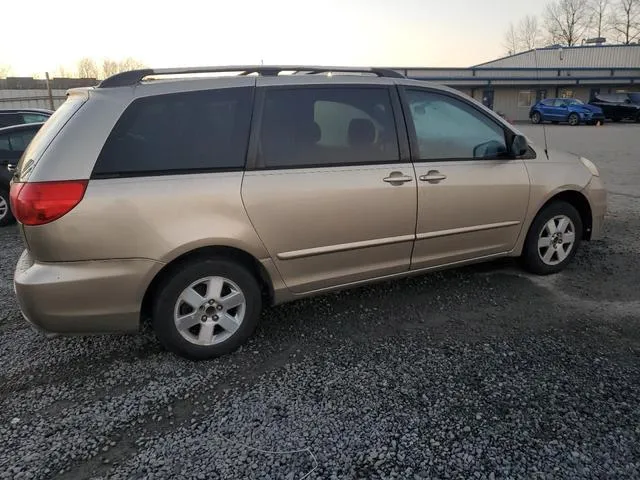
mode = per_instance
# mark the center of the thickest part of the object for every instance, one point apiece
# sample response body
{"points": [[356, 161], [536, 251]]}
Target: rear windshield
{"points": [[47, 133]]}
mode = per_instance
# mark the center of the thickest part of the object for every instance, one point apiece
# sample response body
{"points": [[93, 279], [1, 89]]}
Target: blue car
{"points": [[569, 110]]}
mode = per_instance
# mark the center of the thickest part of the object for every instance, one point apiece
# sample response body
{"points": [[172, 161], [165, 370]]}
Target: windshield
{"points": [[575, 102]]}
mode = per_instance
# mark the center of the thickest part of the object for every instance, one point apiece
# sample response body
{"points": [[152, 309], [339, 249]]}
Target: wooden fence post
{"points": [[49, 91]]}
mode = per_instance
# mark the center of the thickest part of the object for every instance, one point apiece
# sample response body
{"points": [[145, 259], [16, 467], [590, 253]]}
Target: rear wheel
{"points": [[553, 239], [6, 217], [574, 119], [206, 308], [536, 118]]}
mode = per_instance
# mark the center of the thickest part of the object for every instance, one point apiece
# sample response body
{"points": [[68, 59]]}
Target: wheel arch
{"points": [[233, 253], [579, 201]]}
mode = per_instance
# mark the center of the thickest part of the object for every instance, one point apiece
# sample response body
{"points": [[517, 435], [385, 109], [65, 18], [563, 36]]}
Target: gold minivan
{"points": [[194, 200]]}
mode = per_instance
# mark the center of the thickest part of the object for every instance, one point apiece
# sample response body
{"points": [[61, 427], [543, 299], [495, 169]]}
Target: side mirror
{"points": [[519, 146]]}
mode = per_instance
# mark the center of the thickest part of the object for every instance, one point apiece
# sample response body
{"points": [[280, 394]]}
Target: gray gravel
{"points": [[482, 372]]}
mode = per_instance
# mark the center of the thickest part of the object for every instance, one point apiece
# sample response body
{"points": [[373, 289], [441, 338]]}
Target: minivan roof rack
{"points": [[134, 76]]}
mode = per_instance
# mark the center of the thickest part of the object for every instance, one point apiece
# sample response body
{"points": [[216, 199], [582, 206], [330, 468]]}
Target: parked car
{"points": [[280, 187], [13, 141], [619, 106], [570, 110], [19, 116]]}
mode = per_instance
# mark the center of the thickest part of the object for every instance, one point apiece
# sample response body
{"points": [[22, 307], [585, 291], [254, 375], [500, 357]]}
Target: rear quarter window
{"points": [[179, 133]]}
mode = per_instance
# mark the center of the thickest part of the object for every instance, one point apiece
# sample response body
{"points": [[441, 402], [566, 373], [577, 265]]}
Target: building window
{"points": [[566, 93], [525, 98]]}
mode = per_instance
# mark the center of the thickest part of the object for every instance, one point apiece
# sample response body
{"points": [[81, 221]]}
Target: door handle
{"points": [[397, 178], [433, 176]]}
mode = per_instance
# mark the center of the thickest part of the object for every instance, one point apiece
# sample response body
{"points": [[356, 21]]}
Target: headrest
{"points": [[361, 132], [308, 133]]}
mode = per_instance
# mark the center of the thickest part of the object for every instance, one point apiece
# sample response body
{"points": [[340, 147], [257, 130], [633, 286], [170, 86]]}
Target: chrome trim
{"points": [[475, 228], [312, 252]]}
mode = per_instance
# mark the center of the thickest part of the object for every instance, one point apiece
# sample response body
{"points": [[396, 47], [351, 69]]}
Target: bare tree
{"points": [[63, 72], [109, 67], [566, 21], [528, 33], [511, 41], [130, 63], [626, 21], [601, 20], [5, 70], [87, 68]]}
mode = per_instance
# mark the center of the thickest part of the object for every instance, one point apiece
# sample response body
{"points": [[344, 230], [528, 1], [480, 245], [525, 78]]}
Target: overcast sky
{"points": [[40, 35]]}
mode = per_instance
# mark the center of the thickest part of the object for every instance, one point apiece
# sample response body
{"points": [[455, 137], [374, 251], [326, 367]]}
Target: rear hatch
{"points": [[29, 201]]}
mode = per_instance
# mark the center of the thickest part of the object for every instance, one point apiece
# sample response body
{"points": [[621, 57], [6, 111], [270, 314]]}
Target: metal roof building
{"points": [[509, 85], [512, 84]]}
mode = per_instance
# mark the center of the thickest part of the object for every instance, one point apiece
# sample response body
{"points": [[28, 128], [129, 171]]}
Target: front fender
{"points": [[548, 178]]}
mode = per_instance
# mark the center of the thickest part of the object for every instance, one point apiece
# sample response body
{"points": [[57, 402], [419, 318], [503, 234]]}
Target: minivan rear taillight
{"points": [[38, 203]]}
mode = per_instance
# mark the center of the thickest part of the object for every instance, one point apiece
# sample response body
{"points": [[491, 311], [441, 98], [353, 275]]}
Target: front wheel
{"points": [[553, 239], [6, 217], [536, 118], [206, 308], [574, 119]]}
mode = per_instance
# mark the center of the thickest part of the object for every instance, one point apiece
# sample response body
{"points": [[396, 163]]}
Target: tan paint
{"points": [[313, 230], [475, 211], [362, 226]]}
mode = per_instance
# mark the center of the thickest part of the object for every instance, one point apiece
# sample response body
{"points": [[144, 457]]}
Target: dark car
{"points": [[19, 116], [619, 106], [13, 142], [570, 110]]}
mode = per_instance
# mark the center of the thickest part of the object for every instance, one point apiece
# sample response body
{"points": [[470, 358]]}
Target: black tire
{"points": [[6, 216], [638, 118], [531, 256], [573, 119], [536, 118], [178, 280]]}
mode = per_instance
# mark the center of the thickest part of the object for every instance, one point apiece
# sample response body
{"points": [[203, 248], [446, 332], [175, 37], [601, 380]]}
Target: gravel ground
{"points": [[480, 372]]}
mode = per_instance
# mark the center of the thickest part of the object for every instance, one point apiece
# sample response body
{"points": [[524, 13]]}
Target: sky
{"points": [[175, 33]]}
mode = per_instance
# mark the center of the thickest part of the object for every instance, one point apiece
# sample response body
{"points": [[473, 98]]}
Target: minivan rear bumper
{"points": [[83, 297]]}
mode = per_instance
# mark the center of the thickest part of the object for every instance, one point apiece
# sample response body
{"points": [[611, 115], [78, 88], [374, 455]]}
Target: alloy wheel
{"points": [[4, 207], [209, 311], [556, 240]]}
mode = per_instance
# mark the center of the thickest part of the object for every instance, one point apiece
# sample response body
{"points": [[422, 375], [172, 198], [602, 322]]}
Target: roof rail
{"points": [[134, 76]]}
